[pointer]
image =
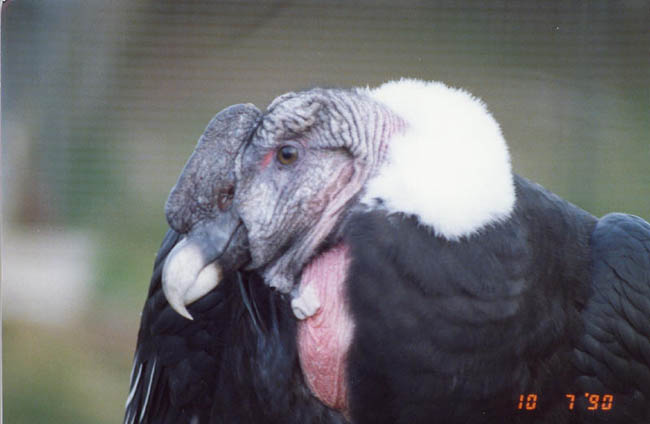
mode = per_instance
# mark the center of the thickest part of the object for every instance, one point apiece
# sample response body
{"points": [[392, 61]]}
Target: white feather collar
{"points": [[450, 167]]}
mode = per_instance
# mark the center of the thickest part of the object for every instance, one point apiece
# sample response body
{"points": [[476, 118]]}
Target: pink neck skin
{"points": [[324, 338]]}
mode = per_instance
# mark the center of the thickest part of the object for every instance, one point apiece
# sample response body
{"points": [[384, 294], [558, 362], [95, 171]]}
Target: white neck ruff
{"points": [[450, 167]]}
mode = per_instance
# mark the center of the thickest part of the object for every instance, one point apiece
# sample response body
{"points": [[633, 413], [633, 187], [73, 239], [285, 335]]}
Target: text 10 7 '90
{"points": [[605, 402]]}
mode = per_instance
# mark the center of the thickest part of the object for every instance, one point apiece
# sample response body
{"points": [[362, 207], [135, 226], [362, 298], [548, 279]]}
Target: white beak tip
{"points": [[186, 277], [179, 306]]}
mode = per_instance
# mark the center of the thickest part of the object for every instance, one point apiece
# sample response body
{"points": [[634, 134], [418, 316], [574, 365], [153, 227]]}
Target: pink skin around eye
{"points": [[267, 159]]}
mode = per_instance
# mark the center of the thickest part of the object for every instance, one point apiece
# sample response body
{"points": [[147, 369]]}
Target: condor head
{"points": [[200, 208], [269, 192]]}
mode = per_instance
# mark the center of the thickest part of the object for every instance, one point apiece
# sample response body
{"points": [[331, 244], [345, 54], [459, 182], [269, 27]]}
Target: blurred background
{"points": [[102, 103]]}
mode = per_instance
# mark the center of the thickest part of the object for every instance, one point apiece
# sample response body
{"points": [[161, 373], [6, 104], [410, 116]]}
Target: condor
{"points": [[368, 256]]}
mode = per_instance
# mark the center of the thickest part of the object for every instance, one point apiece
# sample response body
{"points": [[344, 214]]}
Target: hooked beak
{"points": [[200, 207], [191, 269]]}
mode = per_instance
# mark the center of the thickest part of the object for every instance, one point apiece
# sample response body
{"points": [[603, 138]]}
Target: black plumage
{"points": [[582, 328], [613, 354], [486, 294], [476, 323], [236, 362]]}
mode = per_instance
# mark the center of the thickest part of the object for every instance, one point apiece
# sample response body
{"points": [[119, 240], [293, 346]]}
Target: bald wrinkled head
{"points": [[266, 190], [310, 155]]}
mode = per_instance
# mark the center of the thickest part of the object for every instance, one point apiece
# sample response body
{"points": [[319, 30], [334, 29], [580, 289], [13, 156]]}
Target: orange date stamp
{"points": [[596, 402]]}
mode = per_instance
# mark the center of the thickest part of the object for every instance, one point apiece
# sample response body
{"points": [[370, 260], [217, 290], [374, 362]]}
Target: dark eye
{"points": [[287, 155]]}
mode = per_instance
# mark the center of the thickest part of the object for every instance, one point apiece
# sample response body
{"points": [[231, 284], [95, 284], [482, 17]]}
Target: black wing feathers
{"points": [[178, 357], [236, 362], [457, 330], [614, 354]]}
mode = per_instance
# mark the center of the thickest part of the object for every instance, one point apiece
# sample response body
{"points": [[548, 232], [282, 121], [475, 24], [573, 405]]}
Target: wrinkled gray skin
{"points": [[200, 206], [281, 213]]}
